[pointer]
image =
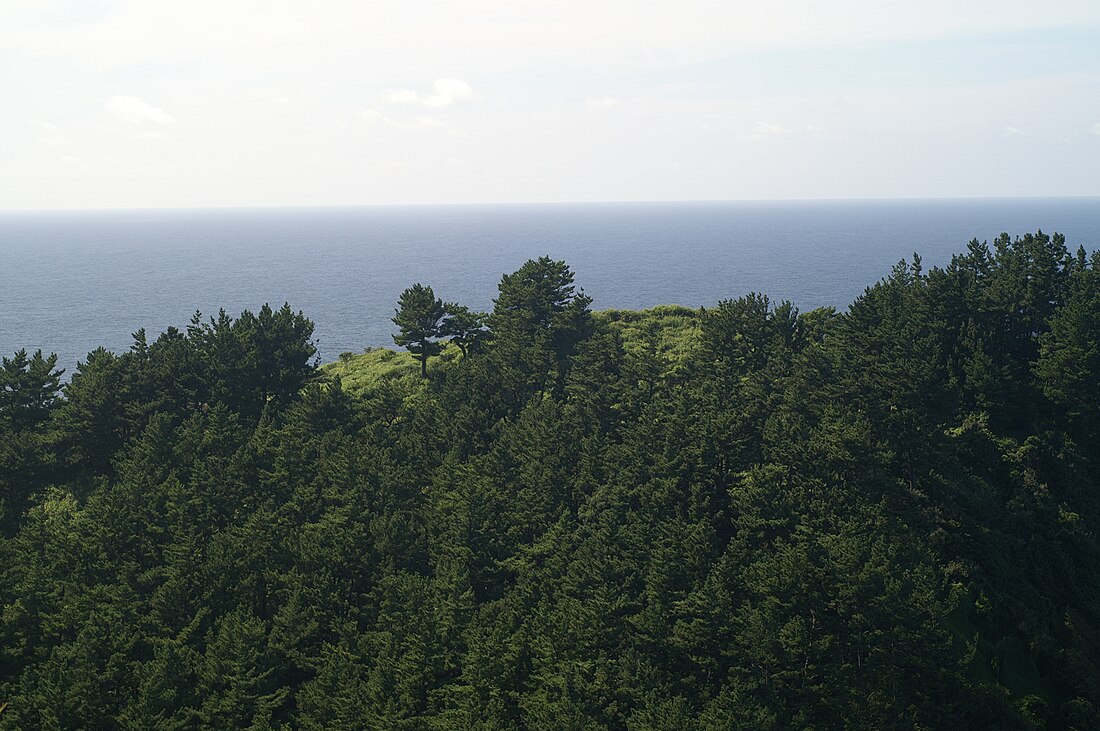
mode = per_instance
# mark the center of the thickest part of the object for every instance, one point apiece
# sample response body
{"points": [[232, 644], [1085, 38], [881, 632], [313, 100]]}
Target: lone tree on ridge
{"points": [[418, 317]]}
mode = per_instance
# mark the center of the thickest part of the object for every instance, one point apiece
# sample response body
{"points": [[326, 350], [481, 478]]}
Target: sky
{"points": [[142, 103]]}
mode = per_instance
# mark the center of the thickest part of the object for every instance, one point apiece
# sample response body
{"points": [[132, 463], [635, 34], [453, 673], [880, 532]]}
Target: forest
{"points": [[549, 517]]}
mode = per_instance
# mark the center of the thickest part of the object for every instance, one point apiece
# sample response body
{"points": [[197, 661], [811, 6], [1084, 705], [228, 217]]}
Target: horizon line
{"points": [[470, 204]]}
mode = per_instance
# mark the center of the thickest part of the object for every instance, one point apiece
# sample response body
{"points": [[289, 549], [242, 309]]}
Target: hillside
{"points": [[670, 331], [743, 516]]}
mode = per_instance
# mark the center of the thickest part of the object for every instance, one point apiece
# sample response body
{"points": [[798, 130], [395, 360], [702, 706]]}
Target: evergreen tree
{"points": [[29, 389], [735, 517], [537, 321], [464, 327], [418, 317]]}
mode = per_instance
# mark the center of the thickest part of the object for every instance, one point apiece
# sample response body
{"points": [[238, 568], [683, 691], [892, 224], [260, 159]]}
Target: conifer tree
{"points": [[464, 327], [418, 317]]}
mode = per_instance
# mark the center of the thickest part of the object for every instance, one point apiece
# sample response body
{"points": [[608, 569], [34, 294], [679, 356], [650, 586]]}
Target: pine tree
{"points": [[419, 317], [464, 327]]}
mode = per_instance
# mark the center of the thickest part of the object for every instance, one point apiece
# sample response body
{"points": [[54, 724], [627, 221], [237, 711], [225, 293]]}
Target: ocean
{"points": [[74, 281]]}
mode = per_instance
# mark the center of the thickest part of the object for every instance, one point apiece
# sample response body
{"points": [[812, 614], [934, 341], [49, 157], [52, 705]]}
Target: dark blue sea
{"points": [[72, 281]]}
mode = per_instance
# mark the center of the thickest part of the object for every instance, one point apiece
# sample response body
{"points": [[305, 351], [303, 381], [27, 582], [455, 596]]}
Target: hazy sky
{"points": [[195, 103]]}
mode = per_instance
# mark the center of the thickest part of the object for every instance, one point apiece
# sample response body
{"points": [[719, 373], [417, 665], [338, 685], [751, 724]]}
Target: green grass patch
{"points": [[671, 332], [383, 368]]}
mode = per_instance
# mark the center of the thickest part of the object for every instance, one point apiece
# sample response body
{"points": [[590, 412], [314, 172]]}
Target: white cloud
{"points": [[445, 92], [131, 110], [43, 124], [605, 102], [679, 80], [1012, 133], [418, 124], [450, 91], [768, 131], [401, 96], [370, 116], [764, 131]]}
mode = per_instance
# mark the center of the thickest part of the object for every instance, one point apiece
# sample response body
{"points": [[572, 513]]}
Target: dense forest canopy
{"points": [[743, 516]]}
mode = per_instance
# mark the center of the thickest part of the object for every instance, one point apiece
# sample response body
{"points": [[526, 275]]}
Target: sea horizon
{"points": [[514, 204], [77, 279]]}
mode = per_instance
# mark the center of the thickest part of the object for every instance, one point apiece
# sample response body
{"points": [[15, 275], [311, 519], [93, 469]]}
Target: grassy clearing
{"points": [[669, 331], [383, 368]]}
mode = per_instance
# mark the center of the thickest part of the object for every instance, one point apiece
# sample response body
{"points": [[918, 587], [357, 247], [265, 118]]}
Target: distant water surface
{"points": [[72, 281]]}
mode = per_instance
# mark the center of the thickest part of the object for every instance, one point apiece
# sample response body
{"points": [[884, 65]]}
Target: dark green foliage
{"points": [[1068, 367], [418, 318], [537, 321], [737, 517], [29, 389], [465, 328]]}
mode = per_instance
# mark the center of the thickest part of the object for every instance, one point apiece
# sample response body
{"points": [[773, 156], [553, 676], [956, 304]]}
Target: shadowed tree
{"points": [[464, 327], [29, 388], [418, 316], [1068, 367], [537, 321]]}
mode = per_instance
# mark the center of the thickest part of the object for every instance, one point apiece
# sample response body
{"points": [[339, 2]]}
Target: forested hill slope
{"points": [[738, 517]]}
